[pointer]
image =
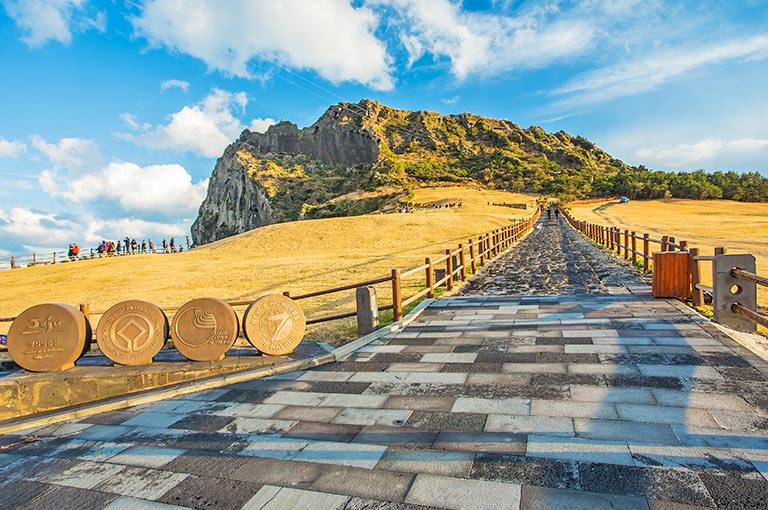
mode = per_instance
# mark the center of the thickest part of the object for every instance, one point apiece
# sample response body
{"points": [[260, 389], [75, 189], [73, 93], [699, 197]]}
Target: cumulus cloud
{"points": [[686, 155], [25, 226], [164, 189], [53, 20], [94, 230], [179, 84], [331, 37], [661, 66], [12, 148], [205, 128], [484, 43], [76, 155]]}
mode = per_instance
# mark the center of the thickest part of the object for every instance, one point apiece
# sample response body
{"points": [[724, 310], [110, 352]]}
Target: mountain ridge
{"points": [[289, 173]]}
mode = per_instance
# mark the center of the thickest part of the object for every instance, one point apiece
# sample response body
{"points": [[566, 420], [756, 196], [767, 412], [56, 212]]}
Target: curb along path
{"points": [[598, 397]]}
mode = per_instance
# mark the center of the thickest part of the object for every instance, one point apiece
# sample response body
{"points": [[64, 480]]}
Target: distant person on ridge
{"points": [[151, 246], [173, 245], [165, 246], [143, 246], [134, 246], [119, 248]]}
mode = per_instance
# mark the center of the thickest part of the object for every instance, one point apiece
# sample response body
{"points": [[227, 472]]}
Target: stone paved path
{"points": [[553, 260], [596, 401]]}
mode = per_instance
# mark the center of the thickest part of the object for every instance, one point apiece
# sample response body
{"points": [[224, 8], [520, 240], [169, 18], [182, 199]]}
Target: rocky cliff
{"points": [[289, 173]]}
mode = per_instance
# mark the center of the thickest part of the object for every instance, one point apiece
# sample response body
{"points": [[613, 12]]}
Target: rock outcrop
{"points": [[235, 202]]}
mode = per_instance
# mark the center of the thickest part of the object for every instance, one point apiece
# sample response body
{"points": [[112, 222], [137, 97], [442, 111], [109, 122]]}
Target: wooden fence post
{"points": [[13, 262], [664, 243], [472, 256], [463, 263], [397, 296], [626, 244], [430, 277], [54, 257], [697, 295], [720, 250], [671, 243], [85, 308], [634, 248], [448, 270], [646, 247]]}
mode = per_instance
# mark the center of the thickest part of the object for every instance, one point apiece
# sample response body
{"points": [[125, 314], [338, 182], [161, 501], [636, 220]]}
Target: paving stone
{"points": [[568, 379], [391, 417], [449, 357], [624, 395], [530, 425], [435, 462], [664, 414], [20, 492], [567, 409], [342, 454], [146, 456], [514, 406], [258, 426], [525, 470], [405, 368], [279, 472], [396, 436], [203, 422], [210, 493], [631, 432], [109, 418], [323, 431], [436, 378], [340, 387], [692, 458], [720, 438], [470, 368], [541, 498], [674, 383], [502, 379], [348, 400], [584, 450], [271, 447], [438, 421], [489, 442], [129, 503], [66, 498], [457, 493], [84, 474], [424, 403], [736, 490], [278, 498], [141, 482], [674, 485], [365, 483], [535, 368], [702, 400]]}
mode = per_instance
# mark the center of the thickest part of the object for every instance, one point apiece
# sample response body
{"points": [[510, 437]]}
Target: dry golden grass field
{"points": [[299, 257], [738, 226]]}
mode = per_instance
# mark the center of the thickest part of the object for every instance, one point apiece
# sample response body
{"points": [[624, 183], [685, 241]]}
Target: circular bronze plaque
{"points": [[274, 324], [48, 337], [132, 332], [204, 329]]}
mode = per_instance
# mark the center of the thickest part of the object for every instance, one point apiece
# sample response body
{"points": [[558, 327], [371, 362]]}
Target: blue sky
{"points": [[114, 112]]}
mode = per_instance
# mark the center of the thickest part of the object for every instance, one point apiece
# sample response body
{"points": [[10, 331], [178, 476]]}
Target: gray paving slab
{"points": [[272, 497], [542, 498]]}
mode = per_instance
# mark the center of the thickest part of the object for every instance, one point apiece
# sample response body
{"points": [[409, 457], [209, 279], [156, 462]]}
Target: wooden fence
{"points": [[733, 292], [453, 265]]}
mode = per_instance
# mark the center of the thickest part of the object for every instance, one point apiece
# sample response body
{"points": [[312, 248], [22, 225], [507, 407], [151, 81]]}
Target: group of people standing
{"points": [[130, 246]]}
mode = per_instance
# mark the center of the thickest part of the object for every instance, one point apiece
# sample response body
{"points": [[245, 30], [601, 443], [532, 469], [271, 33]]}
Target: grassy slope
{"points": [[740, 227], [300, 257]]}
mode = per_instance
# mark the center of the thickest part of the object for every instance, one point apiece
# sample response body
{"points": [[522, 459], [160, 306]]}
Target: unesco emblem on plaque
{"points": [[48, 337], [132, 332], [204, 329], [274, 324]]}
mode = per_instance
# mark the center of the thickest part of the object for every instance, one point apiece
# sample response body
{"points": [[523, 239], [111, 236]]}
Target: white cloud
{"points": [[164, 189], [133, 122], [179, 84], [11, 149], [688, 155], [451, 100], [205, 128], [261, 125], [94, 230], [483, 43], [331, 37], [661, 66], [33, 228], [74, 154], [52, 20]]}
